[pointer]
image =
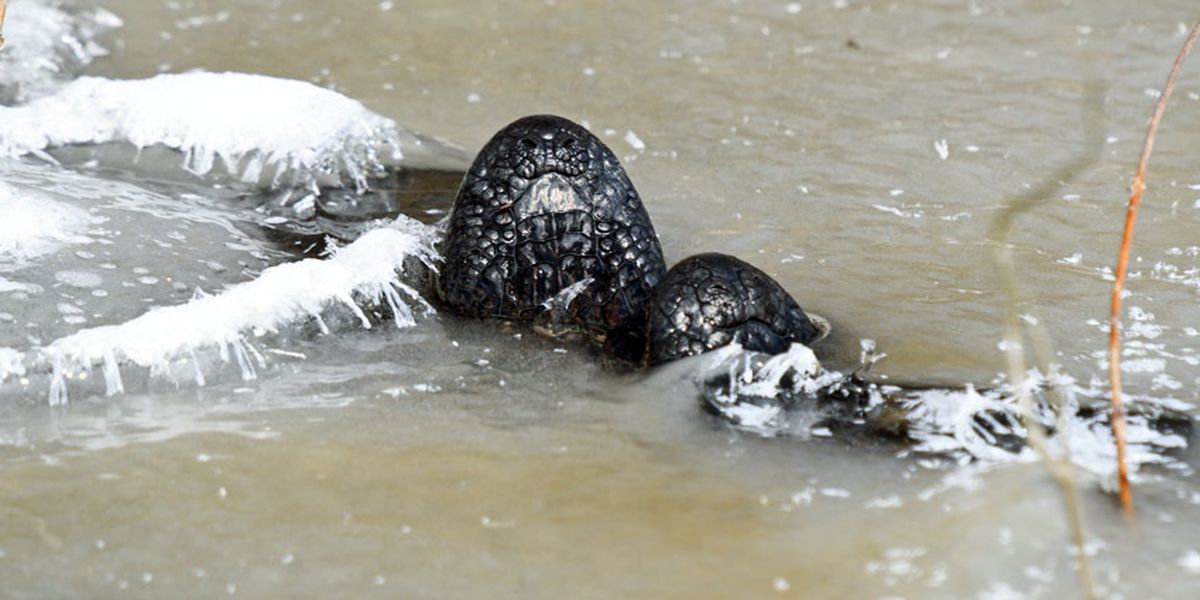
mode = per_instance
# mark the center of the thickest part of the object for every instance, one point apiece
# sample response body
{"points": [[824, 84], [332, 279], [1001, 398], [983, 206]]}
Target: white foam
{"points": [[45, 44], [369, 268], [264, 131]]}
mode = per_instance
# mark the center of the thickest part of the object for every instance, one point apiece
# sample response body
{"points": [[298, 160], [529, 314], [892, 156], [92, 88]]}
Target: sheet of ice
{"points": [[369, 270], [46, 43], [263, 131], [35, 226]]}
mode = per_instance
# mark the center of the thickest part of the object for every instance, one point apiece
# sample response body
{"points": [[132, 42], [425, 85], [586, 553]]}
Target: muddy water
{"points": [[857, 151]]}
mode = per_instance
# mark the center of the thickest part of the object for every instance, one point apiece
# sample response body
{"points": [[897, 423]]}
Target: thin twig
{"points": [[1114, 315], [1060, 469], [2, 3]]}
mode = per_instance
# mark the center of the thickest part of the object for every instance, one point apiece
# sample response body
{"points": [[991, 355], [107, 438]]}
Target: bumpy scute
{"points": [[544, 206], [710, 300]]}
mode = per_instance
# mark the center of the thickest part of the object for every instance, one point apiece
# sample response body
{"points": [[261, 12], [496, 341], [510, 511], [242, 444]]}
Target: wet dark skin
{"points": [[546, 205]]}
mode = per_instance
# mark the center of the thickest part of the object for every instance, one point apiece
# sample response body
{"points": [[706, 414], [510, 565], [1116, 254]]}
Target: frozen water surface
{"points": [[34, 226], [263, 131], [48, 42], [221, 443]]}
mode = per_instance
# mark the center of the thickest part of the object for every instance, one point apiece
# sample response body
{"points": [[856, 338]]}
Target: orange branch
{"points": [[1114, 315], [2, 3]]}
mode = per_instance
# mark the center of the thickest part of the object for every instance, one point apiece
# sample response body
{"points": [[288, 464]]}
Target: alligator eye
{"points": [[527, 145]]}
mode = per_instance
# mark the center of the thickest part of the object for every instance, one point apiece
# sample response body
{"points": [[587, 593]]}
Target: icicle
{"points": [[239, 351], [258, 357], [112, 374], [401, 315], [201, 160], [253, 169], [353, 306], [321, 323], [196, 365], [58, 384]]}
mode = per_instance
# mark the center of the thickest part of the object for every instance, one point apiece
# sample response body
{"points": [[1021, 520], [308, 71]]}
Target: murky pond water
{"points": [[857, 151]]}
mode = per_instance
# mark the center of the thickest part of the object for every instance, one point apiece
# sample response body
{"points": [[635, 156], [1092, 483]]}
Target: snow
{"points": [[264, 131], [370, 269], [45, 43]]}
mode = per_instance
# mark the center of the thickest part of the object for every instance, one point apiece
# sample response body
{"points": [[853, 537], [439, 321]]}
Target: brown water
{"points": [[454, 460]]}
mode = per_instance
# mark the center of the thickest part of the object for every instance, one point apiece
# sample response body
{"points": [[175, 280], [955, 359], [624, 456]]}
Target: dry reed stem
{"points": [[2, 6], [1060, 469], [1114, 316]]}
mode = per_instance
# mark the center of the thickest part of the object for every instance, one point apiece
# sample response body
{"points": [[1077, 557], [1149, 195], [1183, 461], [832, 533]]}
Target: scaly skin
{"points": [[710, 300], [545, 205]]}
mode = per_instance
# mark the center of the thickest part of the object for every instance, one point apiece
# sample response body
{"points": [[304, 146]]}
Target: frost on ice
{"points": [[750, 387], [46, 43], [34, 226], [369, 270], [790, 394], [263, 131]]}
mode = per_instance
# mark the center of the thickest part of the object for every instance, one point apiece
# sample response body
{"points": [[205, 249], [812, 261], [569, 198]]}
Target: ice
{"points": [[973, 424], [942, 148], [369, 269], [8, 285], [11, 363], [1190, 561], [34, 226], [262, 131], [634, 141], [745, 375], [46, 43], [790, 394], [561, 302], [949, 421]]}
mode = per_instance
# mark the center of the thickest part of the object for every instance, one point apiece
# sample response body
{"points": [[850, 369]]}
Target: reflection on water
{"points": [[857, 151]]}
